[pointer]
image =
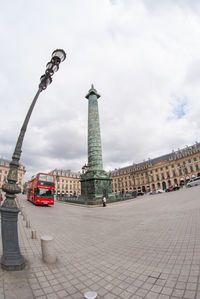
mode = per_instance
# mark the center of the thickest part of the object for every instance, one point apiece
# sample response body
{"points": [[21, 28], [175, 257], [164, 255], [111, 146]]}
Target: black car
{"points": [[140, 193]]}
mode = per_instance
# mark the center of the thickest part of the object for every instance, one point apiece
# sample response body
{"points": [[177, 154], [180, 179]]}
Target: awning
{"points": [[181, 179]]}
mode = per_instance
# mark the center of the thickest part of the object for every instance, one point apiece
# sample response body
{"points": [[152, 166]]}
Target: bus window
{"points": [[44, 193]]}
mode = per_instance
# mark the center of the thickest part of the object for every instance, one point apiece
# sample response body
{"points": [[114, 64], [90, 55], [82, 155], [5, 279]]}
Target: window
{"points": [[172, 165], [166, 167], [194, 158], [45, 177], [44, 193], [189, 161], [191, 168], [197, 167]]}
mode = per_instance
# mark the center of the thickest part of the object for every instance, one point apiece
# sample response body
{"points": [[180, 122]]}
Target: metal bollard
{"points": [[48, 252], [33, 234], [28, 224], [24, 216], [22, 210]]}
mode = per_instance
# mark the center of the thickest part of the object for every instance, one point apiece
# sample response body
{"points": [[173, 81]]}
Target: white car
{"points": [[194, 182], [160, 191]]}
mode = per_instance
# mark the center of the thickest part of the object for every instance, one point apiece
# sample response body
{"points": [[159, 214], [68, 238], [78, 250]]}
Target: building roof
{"points": [[174, 155], [68, 173], [6, 162]]}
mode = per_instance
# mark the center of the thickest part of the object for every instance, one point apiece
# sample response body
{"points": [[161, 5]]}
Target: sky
{"points": [[143, 57]]}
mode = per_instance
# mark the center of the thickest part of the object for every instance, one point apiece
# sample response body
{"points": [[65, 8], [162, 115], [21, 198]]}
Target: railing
{"points": [[79, 200]]}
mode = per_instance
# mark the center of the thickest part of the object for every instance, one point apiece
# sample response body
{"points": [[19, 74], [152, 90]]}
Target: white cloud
{"points": [[143, 58]]}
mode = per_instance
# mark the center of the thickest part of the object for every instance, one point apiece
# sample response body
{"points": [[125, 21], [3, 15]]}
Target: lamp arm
{"points": [[17, 151], [11, 188]]}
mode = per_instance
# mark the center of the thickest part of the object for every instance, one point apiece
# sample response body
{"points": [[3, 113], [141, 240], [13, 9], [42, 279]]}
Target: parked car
{"points": [[169, 189], [140, 193], [160, 191], [153, 192], [176, 188], [193, 182]]}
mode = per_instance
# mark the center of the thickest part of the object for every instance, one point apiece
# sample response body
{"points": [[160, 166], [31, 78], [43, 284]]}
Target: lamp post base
{"points": [[17, 264], [12, 260]]}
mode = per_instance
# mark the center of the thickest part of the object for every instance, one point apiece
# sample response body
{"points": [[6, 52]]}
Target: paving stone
{"points": [[167, 291], [178, 293], [190, 294], [145, 248]]}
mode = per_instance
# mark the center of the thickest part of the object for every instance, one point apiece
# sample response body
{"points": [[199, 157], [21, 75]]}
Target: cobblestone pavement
{"points": [[144, 248]]}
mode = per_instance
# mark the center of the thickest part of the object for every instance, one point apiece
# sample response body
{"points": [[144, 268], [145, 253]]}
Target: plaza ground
{"points": [[148, 248]]}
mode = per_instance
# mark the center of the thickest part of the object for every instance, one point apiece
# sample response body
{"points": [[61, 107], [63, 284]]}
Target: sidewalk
{"points": [[37, 280]]}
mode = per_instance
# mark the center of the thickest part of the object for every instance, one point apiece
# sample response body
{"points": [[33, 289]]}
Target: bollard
{"points": [[90, 295], [33, 234], [22, 210], [48, 252], [28, 224]]}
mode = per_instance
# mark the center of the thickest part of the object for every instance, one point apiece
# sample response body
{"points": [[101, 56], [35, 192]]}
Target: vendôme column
{"points": [[94, 135], [95, 182]]}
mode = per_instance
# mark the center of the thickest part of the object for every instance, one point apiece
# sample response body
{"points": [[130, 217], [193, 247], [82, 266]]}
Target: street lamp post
{"points": [[12, 260]]}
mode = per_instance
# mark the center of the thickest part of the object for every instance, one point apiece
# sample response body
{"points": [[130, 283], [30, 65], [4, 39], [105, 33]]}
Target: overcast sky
{"points": [[143, 57]]}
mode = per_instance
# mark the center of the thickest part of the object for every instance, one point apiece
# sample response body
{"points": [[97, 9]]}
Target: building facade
{"points": [[67, 182], [175, 168], [4, 169]]}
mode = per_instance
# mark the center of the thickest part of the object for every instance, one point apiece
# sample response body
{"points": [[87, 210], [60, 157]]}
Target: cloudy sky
{"points": [[143, 57]]}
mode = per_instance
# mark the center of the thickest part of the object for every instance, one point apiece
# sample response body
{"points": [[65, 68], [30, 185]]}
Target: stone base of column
{"points": [[95, 185]]}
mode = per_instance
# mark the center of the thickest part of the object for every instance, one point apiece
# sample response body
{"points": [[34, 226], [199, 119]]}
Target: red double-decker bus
{"points": [[41, 189]]}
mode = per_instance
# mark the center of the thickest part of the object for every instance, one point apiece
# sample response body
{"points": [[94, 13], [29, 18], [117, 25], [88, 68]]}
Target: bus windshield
{"points": [[45, 177], [44, 193]]}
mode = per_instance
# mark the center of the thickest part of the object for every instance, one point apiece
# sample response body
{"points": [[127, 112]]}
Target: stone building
{"points": [[175, 168], [4, 168], [67, 182]]}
